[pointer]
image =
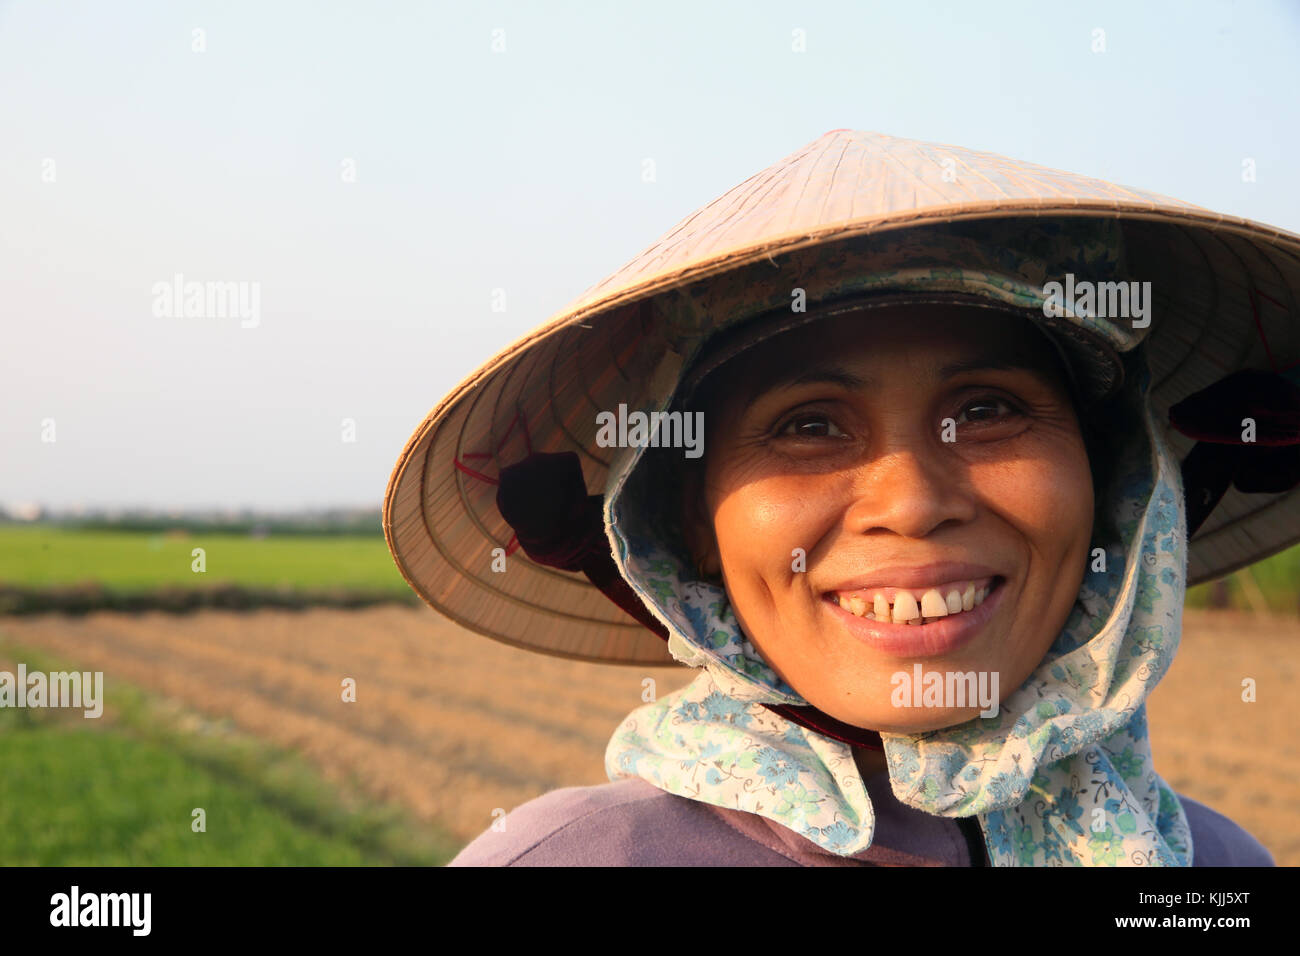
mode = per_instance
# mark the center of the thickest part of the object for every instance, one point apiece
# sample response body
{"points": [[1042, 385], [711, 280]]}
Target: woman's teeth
{"points": [[917, 607]]}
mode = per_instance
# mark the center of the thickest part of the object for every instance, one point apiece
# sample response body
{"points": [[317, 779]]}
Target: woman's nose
{"points": [[910, 491]]}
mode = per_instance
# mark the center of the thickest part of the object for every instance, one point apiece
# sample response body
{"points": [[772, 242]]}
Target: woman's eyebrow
{"points": [[837, 375], [825, 374], [817, 375], [1002, 362]]}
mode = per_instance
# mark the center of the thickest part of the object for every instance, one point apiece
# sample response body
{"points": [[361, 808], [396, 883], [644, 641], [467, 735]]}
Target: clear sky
{"points": [[128, 156]]}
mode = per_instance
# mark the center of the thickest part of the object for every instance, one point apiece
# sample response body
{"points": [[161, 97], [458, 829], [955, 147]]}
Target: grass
{"points": [[1273, 582], [43, 556], [120, 791]]}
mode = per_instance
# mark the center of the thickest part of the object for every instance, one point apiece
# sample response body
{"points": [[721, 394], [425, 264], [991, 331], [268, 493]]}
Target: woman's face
{"points": [[890, 465]]}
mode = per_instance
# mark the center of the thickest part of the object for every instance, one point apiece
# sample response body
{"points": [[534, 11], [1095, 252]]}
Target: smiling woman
{"points": [[831, 439], [932, 558]]}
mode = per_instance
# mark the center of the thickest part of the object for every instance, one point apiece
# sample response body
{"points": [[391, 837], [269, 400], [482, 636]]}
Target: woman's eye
{"points": [[810, 426], [984, 410]]}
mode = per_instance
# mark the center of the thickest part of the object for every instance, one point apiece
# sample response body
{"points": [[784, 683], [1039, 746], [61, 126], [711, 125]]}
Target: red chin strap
{"points": [[544, 499]]}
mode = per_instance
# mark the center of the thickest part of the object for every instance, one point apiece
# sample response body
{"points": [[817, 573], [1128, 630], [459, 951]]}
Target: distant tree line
{"points": [[352, 524]]}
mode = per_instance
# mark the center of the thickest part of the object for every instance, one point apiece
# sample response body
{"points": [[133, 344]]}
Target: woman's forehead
{"points": [[939, 341]]}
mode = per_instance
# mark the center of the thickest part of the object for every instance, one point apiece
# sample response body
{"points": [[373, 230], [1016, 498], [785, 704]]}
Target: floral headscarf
{"points": [[1063, 774]]}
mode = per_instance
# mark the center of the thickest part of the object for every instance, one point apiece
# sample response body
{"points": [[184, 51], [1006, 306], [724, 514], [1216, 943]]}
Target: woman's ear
{"points": [[697, 525]]}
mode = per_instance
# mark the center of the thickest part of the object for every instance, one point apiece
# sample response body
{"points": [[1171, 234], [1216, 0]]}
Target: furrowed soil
{"points": [[455, 726]]}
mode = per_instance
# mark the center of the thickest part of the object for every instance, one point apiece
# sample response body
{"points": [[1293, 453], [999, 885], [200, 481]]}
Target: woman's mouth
{"points": [[915, 606], [914, 622]]}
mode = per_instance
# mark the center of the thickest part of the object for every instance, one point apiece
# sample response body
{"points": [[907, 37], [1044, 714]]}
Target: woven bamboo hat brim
{"points": [[1225, 298]]}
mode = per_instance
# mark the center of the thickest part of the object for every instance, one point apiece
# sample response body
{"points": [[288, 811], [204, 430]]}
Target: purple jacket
{"points": [[632, 823]]}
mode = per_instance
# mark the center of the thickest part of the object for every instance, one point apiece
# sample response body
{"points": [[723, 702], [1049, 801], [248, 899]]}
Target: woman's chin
{"points": [[900, 721]]}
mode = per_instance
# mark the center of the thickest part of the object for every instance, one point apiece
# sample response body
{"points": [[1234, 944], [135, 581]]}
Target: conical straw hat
{"points": [[1226, 293]]}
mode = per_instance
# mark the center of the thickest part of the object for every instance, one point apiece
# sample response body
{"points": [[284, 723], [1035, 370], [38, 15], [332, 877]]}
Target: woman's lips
{"points": [[927, 636]]}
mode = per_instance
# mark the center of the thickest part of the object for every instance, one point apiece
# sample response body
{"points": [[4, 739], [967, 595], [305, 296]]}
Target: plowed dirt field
{"points": [[455, 726]]}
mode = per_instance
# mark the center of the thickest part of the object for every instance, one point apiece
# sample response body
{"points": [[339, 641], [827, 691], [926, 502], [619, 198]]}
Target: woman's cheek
{"points": [[759, 527], [1069, 496], [1048, 492], [762, 524], [1048, 500]]}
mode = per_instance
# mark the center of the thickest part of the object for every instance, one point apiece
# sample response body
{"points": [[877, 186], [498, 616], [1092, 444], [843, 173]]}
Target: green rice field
{"points": [[43, 556]]}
